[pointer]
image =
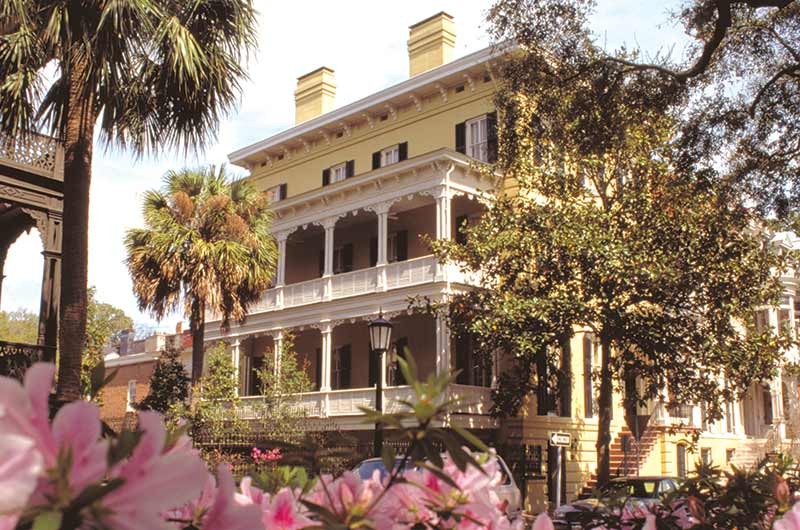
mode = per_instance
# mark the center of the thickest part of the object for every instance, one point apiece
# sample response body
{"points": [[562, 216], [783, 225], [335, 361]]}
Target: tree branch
{"points": [[788, 70]]}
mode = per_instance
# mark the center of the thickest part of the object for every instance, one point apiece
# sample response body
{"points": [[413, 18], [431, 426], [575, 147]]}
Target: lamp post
{"points": [[380, 338]]}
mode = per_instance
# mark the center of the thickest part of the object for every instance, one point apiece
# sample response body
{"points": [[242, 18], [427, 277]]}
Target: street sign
{"points": [[560, 439]]}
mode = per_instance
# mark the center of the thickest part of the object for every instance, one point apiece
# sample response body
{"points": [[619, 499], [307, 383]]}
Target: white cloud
{"points": [[364, 41]]}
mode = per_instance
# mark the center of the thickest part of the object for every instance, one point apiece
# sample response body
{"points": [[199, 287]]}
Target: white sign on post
{"points": [[560, 439]]}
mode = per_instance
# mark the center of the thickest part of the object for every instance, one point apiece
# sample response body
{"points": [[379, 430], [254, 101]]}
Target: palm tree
{"points": [[144, 73], [207, 246]]}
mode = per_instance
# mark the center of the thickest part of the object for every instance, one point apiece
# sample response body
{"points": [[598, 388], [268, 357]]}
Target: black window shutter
{"points": [[326, 176], [462, 360], [373, 369], [373, 251], [321, 262], [349, 169], [345, 366], [318, 363], [491, 137], [282, 192], [461, 237], [565, 394], [402, 245], [461, 137], [402, 151], [376, 160], [588, 392], [347, 257]]}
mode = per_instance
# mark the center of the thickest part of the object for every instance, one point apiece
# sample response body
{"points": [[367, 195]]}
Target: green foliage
{"points": [[273, 480], [207, 246], [104, 322], [604, 229], [169, 384], [215, 399], [279, 414], [19, 326]]}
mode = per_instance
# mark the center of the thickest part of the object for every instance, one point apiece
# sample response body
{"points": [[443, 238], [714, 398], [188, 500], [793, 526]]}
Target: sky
{"points": [[364, 41]]}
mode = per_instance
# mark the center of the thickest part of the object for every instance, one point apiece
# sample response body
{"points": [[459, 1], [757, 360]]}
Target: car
{"points": [[507, 491], [631, 493]]}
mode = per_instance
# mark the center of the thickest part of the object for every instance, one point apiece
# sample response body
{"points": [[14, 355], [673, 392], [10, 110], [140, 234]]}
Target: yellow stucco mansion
{"points": [[355, 189]]}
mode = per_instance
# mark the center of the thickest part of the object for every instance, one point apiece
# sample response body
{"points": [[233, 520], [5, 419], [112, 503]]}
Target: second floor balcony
{"points": [[371, 233]]}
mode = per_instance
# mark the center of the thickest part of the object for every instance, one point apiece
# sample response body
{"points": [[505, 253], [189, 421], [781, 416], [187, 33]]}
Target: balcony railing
{"points": [[337, 403], [36, 153], [364, 281], [15, 358]]}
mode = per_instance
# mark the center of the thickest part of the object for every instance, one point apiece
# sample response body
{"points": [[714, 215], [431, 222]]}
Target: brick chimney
{"points": [[314, 95], [179, 327], [431, 43]]}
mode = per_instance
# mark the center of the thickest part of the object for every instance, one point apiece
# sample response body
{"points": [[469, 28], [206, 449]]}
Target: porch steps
{"points": [[747, 455], [625, 463]]}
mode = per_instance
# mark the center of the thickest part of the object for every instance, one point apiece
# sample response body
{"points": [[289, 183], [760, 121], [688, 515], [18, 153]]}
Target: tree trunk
{"points": [[604, 402], [78, 138], [197, 324]]}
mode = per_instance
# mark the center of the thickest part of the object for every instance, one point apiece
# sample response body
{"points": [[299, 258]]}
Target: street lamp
{"points": [[380, 339]]}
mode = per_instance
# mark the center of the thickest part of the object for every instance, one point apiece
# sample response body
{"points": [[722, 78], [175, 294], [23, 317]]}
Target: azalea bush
{"points": [[63, 474]]}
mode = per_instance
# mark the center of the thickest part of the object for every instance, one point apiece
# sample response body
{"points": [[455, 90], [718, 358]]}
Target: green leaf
{"points": [[48, 521], [470, 438], [122, 446], [388, 457]]}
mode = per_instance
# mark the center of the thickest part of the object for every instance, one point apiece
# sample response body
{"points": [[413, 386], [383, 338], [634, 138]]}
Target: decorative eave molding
{"points": [[377, 100], [413, 176]]}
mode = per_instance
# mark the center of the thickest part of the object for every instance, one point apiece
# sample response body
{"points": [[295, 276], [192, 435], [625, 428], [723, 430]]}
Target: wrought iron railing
{"points": [[16, 357]]}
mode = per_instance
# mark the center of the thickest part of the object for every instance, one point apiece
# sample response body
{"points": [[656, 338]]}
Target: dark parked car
{"points": [[632, 493]]}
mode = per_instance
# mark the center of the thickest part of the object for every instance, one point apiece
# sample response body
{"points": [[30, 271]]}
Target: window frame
{"points": [[130, 396], [394, 151], [338, 169], [477, 149], [278, 193]]}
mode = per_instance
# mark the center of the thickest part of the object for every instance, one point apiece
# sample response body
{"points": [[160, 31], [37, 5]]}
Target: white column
{"points": [[776, 391], [443, 227], [235, 357], [280, 277], [443, 221], [382, 211], [327, 347], [443, 363], [329, 225], [278, 347]]}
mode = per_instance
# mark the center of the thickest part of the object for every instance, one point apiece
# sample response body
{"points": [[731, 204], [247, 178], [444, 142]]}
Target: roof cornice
{"points": [[357, 107]]}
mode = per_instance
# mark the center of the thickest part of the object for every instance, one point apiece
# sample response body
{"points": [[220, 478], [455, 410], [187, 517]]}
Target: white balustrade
{"points": [[307, 292], [354, 283], [471, 400], [410, 272]]}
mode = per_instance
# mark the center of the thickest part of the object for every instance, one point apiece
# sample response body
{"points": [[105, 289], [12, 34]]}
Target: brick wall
{"points": [[115, 394]]}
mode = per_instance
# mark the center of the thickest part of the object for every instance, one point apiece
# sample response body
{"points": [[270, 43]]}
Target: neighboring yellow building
{"points": [[356, 189]]}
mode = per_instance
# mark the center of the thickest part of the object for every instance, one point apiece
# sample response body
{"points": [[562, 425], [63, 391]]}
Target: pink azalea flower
{"points": [[542, 522], [154, 481], [283, 513], [25, 410], [790, 520], [20, 469], [227, 514]]}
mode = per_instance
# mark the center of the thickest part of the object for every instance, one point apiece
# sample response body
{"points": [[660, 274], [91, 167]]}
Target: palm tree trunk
{"points": [[197, 324], [78, 138], [604, 404]]}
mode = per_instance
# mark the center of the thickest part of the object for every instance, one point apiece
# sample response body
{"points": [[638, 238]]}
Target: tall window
{"points": [[131, 397], [681, 460], [477, 138], [390, 155], [276, 193], [341, 369], [338, 172]]}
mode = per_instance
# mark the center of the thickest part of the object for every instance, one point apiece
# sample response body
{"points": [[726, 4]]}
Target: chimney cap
{"points": [[314, 71], [440, 14]]}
